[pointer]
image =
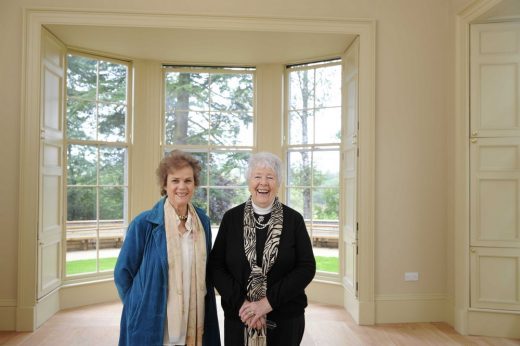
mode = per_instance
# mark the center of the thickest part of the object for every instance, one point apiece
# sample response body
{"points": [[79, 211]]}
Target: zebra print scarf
{"points": [[257, 281]]}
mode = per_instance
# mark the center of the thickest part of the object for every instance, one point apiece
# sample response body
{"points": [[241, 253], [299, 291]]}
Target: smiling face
{"points": [[180, 185], [263, 186]]}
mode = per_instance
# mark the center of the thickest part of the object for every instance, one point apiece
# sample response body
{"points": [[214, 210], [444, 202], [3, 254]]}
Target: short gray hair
{"points": [[265, 160]]}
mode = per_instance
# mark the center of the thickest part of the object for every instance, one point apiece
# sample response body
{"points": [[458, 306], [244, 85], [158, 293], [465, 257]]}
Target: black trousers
{"points": [[287, 332]]}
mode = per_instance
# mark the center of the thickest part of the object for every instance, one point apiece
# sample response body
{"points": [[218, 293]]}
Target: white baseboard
{"points": [[73, 296], [411, 308], [494, 323], [325, 293]]}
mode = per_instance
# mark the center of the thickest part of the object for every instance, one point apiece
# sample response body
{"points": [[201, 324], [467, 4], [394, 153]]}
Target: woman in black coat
{"points": [[261, 262]]}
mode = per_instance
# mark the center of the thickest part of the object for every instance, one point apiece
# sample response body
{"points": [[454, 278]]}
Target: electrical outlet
{"points": [[411, 276]]}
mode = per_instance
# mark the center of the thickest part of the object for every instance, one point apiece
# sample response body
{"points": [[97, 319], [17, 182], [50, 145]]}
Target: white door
{"points": [[50, 225], [495, 166], [349, 160]]}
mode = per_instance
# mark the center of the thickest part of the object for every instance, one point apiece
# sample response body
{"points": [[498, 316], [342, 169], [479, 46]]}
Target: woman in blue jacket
{"points": [[160, 273]]}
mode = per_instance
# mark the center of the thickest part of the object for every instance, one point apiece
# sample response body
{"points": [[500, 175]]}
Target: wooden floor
{"points": [[325, 326]]}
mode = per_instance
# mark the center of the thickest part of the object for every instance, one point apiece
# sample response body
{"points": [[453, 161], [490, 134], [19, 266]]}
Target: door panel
{"points": [[495, 192], [51, 226], [350, 155], [495, 80], [495, 280]]}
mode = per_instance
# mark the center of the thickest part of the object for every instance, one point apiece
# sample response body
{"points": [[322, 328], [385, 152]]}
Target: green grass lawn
{"points": [[327, 264], [89, 265]]}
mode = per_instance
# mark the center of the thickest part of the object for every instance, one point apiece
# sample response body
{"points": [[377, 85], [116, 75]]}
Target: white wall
{"points": [[414, 122]]}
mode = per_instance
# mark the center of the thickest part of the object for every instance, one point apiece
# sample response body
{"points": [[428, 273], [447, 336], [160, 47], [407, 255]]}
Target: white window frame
{"points": [[311, 148], [86, 277]]}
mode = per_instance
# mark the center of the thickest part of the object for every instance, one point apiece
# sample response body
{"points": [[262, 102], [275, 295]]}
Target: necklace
{"points": [[181, 217], [259, 222]]}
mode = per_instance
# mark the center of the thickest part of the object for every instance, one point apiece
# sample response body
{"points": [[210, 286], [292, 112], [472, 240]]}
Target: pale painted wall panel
{"points": [[495, 279], [495, 192], [498, 96]]}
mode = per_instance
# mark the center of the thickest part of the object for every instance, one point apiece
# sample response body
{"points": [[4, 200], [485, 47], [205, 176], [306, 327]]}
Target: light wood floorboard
{"points": [[325, 326]]}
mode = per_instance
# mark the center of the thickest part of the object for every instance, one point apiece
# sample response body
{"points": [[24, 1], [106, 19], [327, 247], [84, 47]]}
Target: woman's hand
{"points": [[254, 313]]}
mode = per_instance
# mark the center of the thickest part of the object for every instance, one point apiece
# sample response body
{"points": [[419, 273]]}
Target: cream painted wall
{"points": [[414, 121]]}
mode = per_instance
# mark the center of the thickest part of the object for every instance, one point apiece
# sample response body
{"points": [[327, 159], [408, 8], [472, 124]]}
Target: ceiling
{"points": [[201, 46]]}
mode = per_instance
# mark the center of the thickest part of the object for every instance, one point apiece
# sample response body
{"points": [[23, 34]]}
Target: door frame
{"points": [[35, 19]]}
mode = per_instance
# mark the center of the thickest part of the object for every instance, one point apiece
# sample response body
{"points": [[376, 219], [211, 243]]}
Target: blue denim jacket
{"points": [[141, 278]]}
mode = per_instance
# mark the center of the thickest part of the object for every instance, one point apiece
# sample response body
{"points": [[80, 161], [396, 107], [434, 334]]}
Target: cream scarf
{"points": [[174, 306]]}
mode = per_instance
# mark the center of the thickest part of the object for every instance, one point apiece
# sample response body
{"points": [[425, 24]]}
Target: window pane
{"points": [[81, 119], [112, 81], [328, 125], [200, 198], [328, 86], [186, 127], [81, 165], [219, 202], [228, 168], [232, 92], [325, 203], [81, 77], [112, 122], [202, 157], [299, 167], [186, 91], [301, 90], [300, 200], [111, 203], [326, 168], [232, 129], [81, 204], [301, 127], [112, 163]]}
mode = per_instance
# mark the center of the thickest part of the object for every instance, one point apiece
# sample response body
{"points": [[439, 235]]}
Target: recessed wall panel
{"points": [[51, 214], [52, 100], [498, 209], [498, 158], [496, 42], [498, 96]]}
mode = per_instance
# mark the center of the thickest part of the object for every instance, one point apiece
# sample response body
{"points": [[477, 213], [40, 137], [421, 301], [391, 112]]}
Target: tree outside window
{"points": [[313, 154], [97, 163], [210, 113]]}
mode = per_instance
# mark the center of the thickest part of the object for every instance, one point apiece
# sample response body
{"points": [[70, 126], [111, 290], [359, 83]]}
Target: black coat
{"points": [[292, 271]]}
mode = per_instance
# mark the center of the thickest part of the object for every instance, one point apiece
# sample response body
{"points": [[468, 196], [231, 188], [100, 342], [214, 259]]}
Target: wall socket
{"points": [[411, 276]]}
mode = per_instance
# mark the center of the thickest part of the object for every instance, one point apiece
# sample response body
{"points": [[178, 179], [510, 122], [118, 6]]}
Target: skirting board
{"points": [[73, 296], [498, 324], [325, 293], [411, 308]]}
